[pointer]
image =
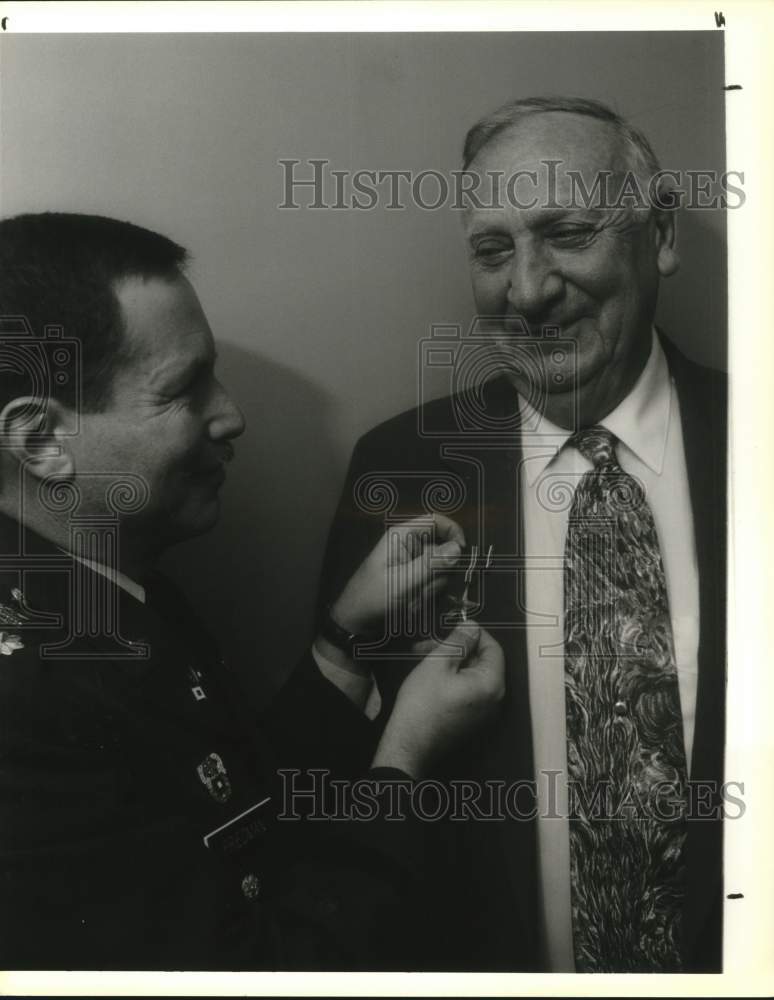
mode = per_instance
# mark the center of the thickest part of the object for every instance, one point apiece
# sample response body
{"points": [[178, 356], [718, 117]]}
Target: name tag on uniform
{"points": [[236, 833]]}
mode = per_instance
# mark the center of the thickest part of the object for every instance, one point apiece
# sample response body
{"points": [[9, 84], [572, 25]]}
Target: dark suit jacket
{"points": [[436, 457], [103, 857]]}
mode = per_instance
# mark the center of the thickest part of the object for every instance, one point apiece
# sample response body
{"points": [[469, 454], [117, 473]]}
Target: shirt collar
{"points": [[115, 576], [640, 421]]}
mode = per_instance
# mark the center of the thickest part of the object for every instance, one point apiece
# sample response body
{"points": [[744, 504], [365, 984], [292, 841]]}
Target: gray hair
{"points": [[642, 156]]}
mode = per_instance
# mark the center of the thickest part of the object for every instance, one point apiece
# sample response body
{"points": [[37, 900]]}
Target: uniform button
{"points": [[621, 708], [251, 886]]}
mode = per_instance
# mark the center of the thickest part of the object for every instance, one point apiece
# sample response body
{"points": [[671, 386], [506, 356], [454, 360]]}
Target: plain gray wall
{"points": [[318, 314]]}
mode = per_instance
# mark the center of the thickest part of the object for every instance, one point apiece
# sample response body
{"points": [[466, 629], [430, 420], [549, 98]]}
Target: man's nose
{"points": [[534, 283], [227, 420]]}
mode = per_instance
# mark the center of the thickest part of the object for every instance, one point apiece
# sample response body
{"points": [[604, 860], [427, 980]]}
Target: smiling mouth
{"points": [[536, 332]]}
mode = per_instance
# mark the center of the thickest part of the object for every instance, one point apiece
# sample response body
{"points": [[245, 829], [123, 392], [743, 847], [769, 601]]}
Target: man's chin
{"points": [[561, 383], [191, 524]]}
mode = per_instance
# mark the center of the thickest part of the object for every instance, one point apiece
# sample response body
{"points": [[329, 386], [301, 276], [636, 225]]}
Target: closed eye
{"points": [[572, 236], [491, 253]]}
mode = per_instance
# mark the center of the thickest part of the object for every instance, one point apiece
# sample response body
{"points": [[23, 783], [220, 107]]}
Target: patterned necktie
{"points": [[625, 751]]}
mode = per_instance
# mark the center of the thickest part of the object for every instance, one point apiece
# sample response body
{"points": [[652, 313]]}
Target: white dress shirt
{"points": [[650, 447], [359, 687], [115, 576]]}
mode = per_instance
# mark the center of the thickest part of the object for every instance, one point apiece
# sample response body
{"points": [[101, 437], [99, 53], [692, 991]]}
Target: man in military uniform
{"points": [[139, 795]]}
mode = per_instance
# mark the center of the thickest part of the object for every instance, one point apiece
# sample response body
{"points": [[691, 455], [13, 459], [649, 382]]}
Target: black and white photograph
{"points": [[383, 521]]}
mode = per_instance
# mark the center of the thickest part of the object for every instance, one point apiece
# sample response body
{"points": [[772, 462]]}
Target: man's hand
{"points": [[446, 697], [398, 571]]}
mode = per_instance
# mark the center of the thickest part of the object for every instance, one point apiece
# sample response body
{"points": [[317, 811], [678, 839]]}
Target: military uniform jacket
{"points": [[139, 798]]}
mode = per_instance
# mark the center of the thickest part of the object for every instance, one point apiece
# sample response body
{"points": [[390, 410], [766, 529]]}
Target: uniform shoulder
{"points": [[46, 701]]}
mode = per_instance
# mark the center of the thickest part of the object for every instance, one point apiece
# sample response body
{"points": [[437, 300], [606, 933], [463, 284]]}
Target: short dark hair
{"points": [[638, 147], [61, 269]]}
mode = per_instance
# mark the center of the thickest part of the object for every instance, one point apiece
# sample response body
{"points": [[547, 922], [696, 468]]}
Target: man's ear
{"points": [[667, 257], [33, 431]]}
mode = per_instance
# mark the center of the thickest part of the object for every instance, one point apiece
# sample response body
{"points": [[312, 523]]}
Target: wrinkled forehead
{"points": [[576, 143], [547, 162]]}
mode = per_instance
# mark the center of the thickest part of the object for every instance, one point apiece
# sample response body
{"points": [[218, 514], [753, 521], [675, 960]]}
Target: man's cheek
{"points": [[597, 272], [490, 292]]}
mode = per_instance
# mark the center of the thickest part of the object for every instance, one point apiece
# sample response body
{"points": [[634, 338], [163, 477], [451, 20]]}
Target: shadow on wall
{"points": [[702, 279], [254, 577]]}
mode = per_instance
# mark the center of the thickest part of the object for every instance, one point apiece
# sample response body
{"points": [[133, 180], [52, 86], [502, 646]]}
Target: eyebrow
{"points": [[538, 218], [194, 367], [487, 229], [190, 370]]}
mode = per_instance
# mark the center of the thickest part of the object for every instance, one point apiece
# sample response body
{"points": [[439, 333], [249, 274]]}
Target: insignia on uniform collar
{"points": [[196, 689], [13, 614], [9, 643], [212, 774]]}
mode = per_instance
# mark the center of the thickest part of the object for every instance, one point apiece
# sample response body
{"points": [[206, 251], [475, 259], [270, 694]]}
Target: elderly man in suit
{"points": [[589, 466], [142, 803]]}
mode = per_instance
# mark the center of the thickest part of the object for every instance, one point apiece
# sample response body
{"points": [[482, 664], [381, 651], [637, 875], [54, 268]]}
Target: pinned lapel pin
{"points": [[463, 604]]}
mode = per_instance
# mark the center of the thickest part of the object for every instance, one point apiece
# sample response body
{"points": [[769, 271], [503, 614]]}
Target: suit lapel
{"points": [[703, 413], [491, 475], [514, 748]]}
